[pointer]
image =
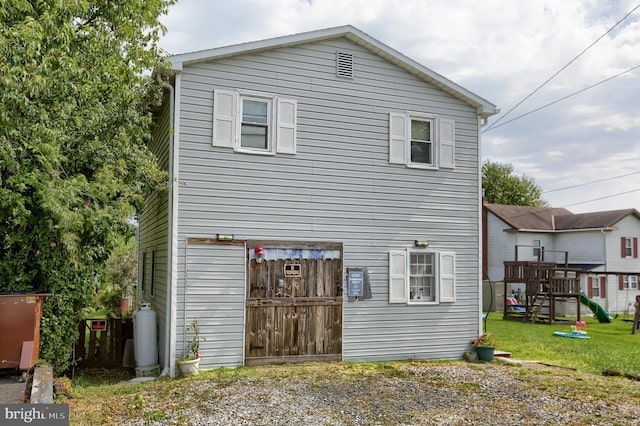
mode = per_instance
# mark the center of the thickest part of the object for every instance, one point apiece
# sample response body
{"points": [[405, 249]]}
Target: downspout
{"points": [[481, 123], [169, 341]]}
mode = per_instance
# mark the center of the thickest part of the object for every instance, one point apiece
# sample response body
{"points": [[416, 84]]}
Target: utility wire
{"points": [[602, 198], [563, 98], [559, 71], [589, 183]]}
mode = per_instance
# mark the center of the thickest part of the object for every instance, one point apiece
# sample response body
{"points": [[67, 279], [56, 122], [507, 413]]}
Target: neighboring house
{"points": [[602, 245], [323, 206]]}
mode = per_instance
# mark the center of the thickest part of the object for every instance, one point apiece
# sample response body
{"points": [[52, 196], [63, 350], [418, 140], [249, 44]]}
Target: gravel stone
{"points": [[425, 394]]}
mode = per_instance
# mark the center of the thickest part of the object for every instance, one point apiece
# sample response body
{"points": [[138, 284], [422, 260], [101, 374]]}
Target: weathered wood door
{"points": [[294, 302]]}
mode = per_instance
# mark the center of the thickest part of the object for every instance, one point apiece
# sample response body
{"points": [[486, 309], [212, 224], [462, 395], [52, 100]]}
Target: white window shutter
{"points": [[447, 277], [397, 138], [397, 276], [223, 118], [446, 136], [286, 129]]}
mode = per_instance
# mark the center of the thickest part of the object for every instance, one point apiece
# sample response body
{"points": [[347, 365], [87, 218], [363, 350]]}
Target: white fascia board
{"points": [[560, 231], [177, 61], [484, 107]]}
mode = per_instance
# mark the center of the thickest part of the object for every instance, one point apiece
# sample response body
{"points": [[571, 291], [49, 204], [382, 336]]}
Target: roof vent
{"points": [[344, 65]]}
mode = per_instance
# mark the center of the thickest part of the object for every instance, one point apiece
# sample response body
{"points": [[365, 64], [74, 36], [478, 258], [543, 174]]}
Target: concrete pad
{"points": [[11, 388]]}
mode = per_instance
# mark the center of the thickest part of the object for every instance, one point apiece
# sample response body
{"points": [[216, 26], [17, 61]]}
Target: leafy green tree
{"points": [[502, 186], [119, 278], [75, 94]]}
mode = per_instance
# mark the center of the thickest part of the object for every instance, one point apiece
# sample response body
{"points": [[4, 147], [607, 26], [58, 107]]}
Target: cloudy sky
{"points": [[584, 151]]}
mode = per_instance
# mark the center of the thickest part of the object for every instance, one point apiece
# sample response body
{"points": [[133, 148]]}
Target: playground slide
{"points": [[600, 313]]}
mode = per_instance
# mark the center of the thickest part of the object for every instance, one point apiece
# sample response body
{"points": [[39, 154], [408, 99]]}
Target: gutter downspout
{"points": [[481, 123], [172, 249]]}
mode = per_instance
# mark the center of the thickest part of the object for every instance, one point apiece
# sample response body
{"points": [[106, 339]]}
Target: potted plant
{"points": [[485, 346], [190, 364]]}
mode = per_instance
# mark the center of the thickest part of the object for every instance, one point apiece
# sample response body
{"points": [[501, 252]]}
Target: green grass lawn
{"points": [[611, 346]]}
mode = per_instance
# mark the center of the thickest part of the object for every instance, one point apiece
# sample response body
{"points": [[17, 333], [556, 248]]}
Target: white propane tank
{"points": [[145, 336]]}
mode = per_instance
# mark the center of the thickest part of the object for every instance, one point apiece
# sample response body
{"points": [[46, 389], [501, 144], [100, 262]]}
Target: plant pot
{"points": [[189, 367], [124, 305], [485, 353]]}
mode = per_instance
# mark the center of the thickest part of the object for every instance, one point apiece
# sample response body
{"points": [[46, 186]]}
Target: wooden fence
{"points": [[101, 342]]}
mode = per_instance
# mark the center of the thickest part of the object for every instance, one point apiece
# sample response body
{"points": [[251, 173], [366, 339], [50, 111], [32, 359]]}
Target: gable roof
{"points": [[484, 107], [526, 217], [604, 219], [556, 219]]}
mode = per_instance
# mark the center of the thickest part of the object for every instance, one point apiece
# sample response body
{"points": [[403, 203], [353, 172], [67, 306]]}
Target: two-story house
{"points": [[324, 204], [603, 246]]}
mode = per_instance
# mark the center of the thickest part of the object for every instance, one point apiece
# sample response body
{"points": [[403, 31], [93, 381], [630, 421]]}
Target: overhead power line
{"points": [[563, 98], [603, 198], [589, 183], [559, 71]]}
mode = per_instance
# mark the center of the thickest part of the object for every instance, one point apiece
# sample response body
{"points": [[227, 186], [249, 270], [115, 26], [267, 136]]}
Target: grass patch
{"points": [[611, 346]]}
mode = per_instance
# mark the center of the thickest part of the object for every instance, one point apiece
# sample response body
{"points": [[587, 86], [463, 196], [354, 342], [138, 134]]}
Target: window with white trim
{"points": [[421, 277], [628, 247], [536, 248], [254, 123], [421, 141], [421, 149], [595, 287], [630, 282], [422, 270]]}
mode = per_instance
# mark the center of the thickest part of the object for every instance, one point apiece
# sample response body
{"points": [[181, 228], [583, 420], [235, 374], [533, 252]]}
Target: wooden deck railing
{"points": [[523, 271], [542, 277]]}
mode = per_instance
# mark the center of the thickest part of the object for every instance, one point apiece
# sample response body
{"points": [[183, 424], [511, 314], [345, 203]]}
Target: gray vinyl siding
{"points": [[153, 231], [214, 288], [339, 186]]}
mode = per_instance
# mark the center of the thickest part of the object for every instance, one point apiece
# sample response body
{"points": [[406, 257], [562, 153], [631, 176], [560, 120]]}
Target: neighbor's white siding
{"points": [[583, 246], [339, 186], [500, 247]]}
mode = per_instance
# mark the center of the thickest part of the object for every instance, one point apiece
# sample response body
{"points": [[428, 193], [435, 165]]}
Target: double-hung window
{"points": [[418, 276], [630, 282], [629, 247], [595, 287], [536, 248], [255, 126], [422, 277], [254, 123], [420, 140]]}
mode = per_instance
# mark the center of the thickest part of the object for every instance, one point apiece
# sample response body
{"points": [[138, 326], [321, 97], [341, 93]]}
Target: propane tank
{"points": [[145, 336]]}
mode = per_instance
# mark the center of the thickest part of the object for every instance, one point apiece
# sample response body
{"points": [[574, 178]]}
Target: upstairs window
{"points": [[254, 123], [629, 247], [421, 141], [255, 126], [536, 249]]}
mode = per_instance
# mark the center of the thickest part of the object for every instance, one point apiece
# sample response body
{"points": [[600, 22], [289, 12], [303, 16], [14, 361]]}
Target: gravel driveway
{"points": [[409, 394]]}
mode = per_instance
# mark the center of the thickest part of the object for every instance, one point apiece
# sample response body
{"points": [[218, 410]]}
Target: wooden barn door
{"points": [[294, 302]]}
